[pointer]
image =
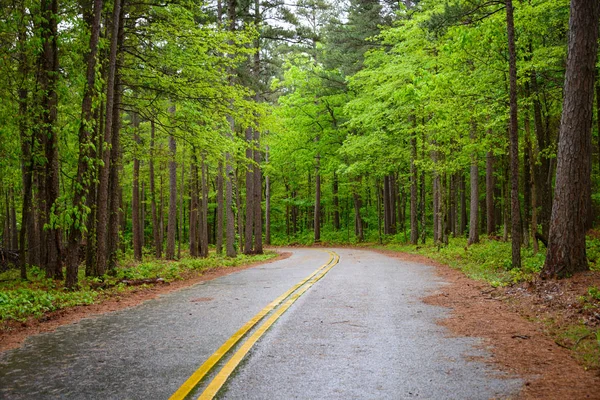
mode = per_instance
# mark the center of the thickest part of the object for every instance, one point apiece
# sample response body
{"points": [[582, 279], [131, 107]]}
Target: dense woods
{"points": [[152, 129]]}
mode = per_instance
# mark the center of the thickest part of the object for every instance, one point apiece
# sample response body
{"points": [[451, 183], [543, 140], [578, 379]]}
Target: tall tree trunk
{"points": [[230, 250], [336, 203], [463, 204], [220, 208], [204, 210], [598, 112], [172, 219], [258, 226], [474, 209], [181, 209], [155, 222], [230, 229], [358, 222], [317, 211], [514, 139], [527, 178], [135, 196], [194, 207], [379, 196], [103, 187], [489, 193], [414, 223], [452, 206], [566, 242], [386, 205], [26, 234], [115, 186], [437, 235], [91, 200], [249, 193], [544, 169], [116, 161], [49, 104], [268, 204]]}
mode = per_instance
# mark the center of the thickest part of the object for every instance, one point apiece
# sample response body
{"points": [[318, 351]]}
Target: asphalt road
{"points": [[360, 332]]}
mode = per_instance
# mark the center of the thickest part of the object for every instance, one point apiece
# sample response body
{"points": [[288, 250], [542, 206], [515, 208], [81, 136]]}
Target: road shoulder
{"points": [[13, 334], [516, 344]]}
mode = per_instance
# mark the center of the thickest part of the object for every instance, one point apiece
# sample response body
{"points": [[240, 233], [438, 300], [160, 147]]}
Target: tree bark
{"points": [[115, 161], [474, 209], [258, 226], [155, 223], [26, 234], [220, 208], [135, 196], [414, 222], [249, 193], [489, 194], [566, 242], [172, 218], [317, 210], [48, 79], [204, 210], [115, 171], [268, 203], [194, 207], [358, 222], [103, 187], [514, 139]]}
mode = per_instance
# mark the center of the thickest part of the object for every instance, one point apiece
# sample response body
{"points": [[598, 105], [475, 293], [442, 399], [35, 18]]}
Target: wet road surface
{"points": [[360, 332]]}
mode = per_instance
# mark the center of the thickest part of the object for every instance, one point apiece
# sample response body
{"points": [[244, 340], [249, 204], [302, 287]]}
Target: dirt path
{"points": [[14, 333], [518, 345]]}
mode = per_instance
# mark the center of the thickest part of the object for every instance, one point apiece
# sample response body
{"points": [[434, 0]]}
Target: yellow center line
{"points": [[225, 372], [197, 376]]}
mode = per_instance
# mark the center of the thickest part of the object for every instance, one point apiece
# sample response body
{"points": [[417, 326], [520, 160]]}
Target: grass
{"points": [[21, 300], [490, 260]]}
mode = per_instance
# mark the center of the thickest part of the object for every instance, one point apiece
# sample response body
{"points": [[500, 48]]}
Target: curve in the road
{"points": [[291, 295]]}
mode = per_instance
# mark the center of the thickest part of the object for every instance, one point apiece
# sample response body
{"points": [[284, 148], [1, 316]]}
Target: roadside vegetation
{"points": [[21, 300], [568, 310]]}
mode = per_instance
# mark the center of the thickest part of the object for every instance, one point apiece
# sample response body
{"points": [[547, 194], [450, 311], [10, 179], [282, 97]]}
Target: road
{"points": [[359, 332]]}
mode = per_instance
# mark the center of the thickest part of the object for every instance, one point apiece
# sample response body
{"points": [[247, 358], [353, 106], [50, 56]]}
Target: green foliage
{"points": [[21, 300], [489, 260]]}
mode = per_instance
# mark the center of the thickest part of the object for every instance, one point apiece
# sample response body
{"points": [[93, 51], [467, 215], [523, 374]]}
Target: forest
{"points": [[171, 128]]}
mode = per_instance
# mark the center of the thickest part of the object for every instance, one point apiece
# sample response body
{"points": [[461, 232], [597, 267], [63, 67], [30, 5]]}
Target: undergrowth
{"points": [[20, 300]]}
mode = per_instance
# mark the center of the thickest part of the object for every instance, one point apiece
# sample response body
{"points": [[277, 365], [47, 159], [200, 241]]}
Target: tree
{"points": [[566, 242]]}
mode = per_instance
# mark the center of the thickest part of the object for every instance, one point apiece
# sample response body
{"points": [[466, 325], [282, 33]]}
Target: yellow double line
{"points": [[215, 385]]}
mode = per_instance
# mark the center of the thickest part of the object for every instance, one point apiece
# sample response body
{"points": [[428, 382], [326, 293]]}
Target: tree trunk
{"points": [[135, 196], [268, 204], [258, 245], [336, 203], [220, 208], [566, 242], [116, 160], [204, 210], [116, 169], [249, 194], [514, 139], [181, 222], [194, 207], [317, 213], [155, 223], [489, 193], [26, 234], [172, 219], [527, 179], [358, 222], [48, 78], [230, 231], [474, 209], [103, 187], [414, 222]]}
